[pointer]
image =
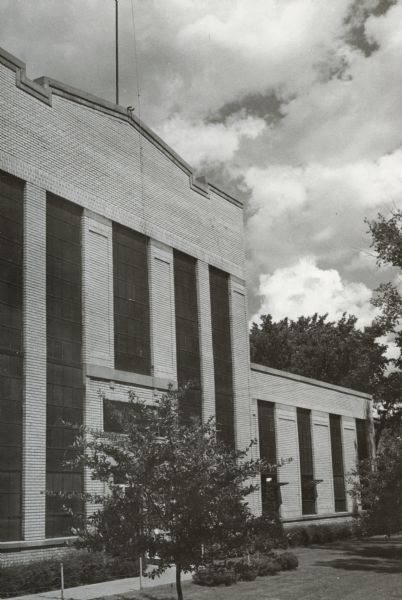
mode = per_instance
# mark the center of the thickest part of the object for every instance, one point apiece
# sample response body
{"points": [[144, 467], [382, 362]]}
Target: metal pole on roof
{"points": [[117, 50]]}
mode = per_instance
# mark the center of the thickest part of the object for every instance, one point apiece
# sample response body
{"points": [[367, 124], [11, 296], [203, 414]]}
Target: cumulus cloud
{"points": [[203, 144], [318, 210], [304, 289]]}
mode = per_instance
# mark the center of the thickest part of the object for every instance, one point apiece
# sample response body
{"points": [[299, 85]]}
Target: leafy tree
{"points": [[184, 490], [332, 351], [387, 242], [378, 486]]}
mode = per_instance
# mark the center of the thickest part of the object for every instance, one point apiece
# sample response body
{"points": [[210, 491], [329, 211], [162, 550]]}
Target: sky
{"points": [[293, 106]]}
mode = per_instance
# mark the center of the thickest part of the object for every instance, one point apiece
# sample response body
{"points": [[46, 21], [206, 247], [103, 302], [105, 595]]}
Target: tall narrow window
{"points": [[187, 335], [222, 350], [131, 301], [308, 487], [11, 361], [362, 439], [64, 366], [267, 442], [337, 463]]}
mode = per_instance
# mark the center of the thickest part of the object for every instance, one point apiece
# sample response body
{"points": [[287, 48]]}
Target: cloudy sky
{"points": [[295, 106]]}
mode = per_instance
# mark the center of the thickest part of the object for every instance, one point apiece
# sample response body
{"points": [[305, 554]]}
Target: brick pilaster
{"points": [[163, 328], [206, 350], [98, 321], [34, 413], [240, 361]]}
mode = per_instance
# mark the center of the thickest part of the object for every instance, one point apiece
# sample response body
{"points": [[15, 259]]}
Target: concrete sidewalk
{"points": [[106, 588]]}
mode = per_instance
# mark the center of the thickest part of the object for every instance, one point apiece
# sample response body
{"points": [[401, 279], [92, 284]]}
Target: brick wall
{"points": [[289, 392], [286, 388], [91, 157]]}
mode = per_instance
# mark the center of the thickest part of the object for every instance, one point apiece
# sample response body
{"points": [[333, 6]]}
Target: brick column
{"points": [[240, 361], [34, 319], [288, 447], [242, 408], [322, 458], [98, 321], [163, 327], [97, 290], [205, 332]]}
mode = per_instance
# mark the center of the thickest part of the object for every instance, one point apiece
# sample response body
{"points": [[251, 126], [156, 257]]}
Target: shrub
{"points": [[321, 534], [287, 561], [80, 568], [214, 575], [267, 532], [266, 565], [245, 570]]}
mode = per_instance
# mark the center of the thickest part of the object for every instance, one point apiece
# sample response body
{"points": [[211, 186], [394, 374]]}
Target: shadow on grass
{"points": [[374, 555]]}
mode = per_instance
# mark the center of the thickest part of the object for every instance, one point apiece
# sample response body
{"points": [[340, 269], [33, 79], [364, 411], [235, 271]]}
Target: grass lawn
{"points": [[360, 570]]}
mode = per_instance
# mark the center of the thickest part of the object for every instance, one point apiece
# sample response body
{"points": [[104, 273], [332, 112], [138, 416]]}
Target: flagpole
{"points": [[117, 50]]}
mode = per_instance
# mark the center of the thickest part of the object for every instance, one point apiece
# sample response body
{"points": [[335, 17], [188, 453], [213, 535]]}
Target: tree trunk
{"points": [[178, 582]]}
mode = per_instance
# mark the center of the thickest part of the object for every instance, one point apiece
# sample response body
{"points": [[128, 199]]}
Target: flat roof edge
{"points": [[43, 88], [309, 381]]}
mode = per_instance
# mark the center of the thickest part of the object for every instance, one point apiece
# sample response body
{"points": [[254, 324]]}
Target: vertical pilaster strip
{"points": [[256, 504], [243, 420], [98, 319], [163, 328], [322, 462], [97, 290], [206, 350], [288, 449], [240, 361], [34, 413]]}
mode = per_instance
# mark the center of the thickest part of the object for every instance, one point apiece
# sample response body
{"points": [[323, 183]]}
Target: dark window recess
{"points": [[131, 301], [187, 335], [115, 415], [11, 361], [222, 350], [362, 439], [337, 463], [270, 489], [64, 362], [308, 485]]}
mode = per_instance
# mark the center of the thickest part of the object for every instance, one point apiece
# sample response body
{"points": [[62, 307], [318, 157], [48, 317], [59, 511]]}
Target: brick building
{"points": [[121, 270]]}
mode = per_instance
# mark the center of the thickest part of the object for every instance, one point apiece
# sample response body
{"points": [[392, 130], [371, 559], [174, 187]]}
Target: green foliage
{"points": [[387, 242], [213, 575], [331, 351], [378, 486], [184, 489], [244, 568], [265, 533], [287, 561], [80, 568], [267, 565], [300, 535]]}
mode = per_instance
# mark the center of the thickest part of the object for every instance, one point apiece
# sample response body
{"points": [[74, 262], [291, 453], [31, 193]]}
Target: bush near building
{"points": [[80, 568], [244, 569]]}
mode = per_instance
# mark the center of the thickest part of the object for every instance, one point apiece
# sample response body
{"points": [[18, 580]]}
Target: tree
{"points": [[184, 490], [387, 242], [332, 351], [378, 486]]}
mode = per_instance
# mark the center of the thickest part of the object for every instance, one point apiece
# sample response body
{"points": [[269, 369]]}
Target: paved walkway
{"points": [[106, 588]]}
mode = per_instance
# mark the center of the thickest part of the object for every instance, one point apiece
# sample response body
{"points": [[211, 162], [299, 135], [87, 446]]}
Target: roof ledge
{"points": [[43, 88]]}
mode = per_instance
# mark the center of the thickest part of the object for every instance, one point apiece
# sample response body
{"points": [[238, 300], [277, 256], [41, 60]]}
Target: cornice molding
{"points": [[43, 89]]}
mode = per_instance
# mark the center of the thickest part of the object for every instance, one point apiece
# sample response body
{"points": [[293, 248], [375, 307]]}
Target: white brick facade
{"points": [[289, 392], [59, 140]]}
